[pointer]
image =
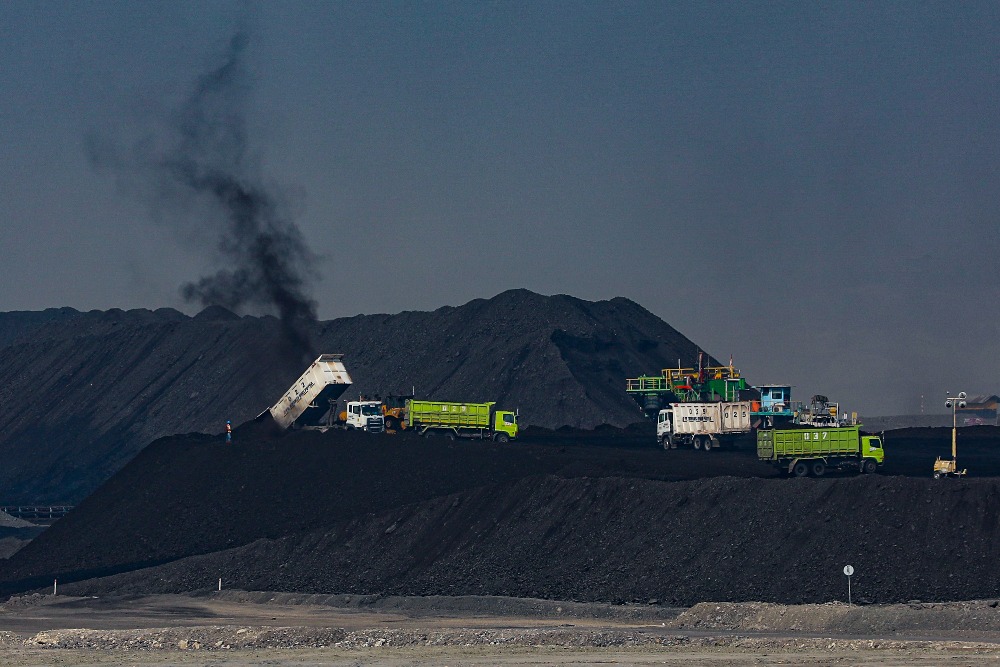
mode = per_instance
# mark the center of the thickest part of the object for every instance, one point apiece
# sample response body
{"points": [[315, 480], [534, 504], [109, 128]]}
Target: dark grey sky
{"points": [[811, 187]]}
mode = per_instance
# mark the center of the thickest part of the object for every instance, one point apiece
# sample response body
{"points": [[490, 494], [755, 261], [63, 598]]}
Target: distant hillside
{"points": [[84, 392]]}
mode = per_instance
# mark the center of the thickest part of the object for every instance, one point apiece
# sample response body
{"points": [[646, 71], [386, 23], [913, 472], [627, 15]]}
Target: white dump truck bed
{"points": [[308, 399], [711, 418]]}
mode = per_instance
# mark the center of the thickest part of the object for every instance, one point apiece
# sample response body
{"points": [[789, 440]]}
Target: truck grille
{"points": [[375, 425]]}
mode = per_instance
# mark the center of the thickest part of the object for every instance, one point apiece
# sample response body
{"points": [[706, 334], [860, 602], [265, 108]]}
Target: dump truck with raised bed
{"points": [[705, 426], [310, 399], [814, 451], [480, 421]]}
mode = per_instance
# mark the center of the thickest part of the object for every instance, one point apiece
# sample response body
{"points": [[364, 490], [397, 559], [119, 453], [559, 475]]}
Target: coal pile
{"points": [[194, 494], [599, 517], [912, 451], [84, 392]]}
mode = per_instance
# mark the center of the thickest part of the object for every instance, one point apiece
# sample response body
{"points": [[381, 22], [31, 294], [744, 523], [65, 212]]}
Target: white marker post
{"points": [[220, 583], [848, 570], [55, 586]]}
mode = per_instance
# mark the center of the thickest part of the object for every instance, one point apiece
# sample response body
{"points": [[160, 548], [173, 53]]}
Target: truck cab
{"points": [[505, 422], [365, 416], [663, 426], [871, 448]]}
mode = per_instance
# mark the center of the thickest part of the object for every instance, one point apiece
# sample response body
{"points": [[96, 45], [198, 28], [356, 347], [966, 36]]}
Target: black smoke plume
{"points": [[204, 178], [264, 249]]}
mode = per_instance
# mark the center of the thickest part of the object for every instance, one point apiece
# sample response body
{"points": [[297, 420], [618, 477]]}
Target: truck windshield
{"points": [[508, 419], [875, 443], [370, 410]]}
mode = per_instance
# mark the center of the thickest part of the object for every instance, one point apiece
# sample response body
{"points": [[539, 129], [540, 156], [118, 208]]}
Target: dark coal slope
{"points": [[15, 324], [621, 540], [912, 451], [84, 392], [612, 519], [84, 395], [193, 494]]}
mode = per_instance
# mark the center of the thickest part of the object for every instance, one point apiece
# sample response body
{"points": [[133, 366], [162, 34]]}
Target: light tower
{"points": [[946, 468]]}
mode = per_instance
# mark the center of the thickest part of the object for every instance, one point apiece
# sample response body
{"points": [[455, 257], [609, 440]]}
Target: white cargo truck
{"points": [[704, 425], [310, 399]]}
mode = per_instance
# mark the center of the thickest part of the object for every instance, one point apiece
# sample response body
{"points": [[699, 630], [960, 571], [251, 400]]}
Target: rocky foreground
{"points": [[918, 633]]}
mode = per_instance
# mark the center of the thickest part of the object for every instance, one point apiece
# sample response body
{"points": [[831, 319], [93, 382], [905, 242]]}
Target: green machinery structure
{"points": [[704, 383]]}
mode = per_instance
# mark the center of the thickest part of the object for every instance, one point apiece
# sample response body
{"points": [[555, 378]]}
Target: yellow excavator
{"points": [[394, 411]]}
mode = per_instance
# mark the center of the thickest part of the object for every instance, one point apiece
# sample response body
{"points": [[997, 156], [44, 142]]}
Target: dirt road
{"points": [[238, 628]]}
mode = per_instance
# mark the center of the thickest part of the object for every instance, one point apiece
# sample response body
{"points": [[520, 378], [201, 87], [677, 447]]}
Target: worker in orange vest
{"points": [[229, 431]]}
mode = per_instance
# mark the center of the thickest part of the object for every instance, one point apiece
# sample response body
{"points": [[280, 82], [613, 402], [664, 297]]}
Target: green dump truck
{"points": [[480, 421], [813, 451]]}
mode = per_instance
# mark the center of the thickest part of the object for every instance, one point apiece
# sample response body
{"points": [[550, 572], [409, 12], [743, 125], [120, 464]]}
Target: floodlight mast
{"points": [[954, 404]]}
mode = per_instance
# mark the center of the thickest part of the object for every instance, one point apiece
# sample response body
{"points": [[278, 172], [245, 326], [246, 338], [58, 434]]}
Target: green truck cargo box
{"points": [[814, 450], [464, 420]]}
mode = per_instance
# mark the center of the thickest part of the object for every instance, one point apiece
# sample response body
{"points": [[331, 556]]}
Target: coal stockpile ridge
{"points": [[558, 360], [84, 392], [194, 494], [635, 540], [609, 520]]}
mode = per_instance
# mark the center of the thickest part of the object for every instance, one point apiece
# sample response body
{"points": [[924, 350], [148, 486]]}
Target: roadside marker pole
{"points": [[55, 586], [220, 583], [848, 570]]}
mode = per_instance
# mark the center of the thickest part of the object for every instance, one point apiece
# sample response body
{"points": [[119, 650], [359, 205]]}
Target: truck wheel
{"points": [[449, 436], [696, 443], [937, 475], [706, 444], [800, 469], [502, 437], [390, 424], [665, 442], [818, 468], [868, 466]]}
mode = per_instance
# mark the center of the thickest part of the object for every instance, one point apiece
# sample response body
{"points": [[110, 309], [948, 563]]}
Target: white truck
{"points": [[358, 416], [704, 425], [311, 402]]}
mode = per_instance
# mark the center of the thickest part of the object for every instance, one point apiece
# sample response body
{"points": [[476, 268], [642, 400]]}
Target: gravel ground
{"points": [[439, 636]]}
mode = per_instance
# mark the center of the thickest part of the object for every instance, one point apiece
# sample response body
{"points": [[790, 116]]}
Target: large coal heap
{"points": [[84, 392], [598, 516]]}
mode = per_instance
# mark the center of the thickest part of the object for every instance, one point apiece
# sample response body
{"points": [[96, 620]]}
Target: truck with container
{"points": [[480, 421], [814, 451], [705, 426]]}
